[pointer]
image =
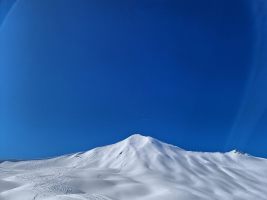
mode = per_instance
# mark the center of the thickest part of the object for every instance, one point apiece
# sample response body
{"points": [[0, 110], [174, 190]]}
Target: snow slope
{"points": [[138, 167]]}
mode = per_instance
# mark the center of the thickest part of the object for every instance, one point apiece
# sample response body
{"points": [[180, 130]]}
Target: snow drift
{"points": [[138, 167]]}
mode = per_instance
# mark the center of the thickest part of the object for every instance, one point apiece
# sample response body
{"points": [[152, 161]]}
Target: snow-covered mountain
{"points": [[138, 167]]}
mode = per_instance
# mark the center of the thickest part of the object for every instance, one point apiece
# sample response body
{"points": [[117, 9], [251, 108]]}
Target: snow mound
{"points": [[139, 167]]}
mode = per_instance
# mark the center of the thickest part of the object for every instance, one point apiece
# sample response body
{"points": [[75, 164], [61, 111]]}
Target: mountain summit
{"points": [[139, 167], [133, 154]]}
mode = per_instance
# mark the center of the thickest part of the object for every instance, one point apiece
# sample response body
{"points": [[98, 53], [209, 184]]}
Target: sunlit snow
{"points": [[136, 168]]}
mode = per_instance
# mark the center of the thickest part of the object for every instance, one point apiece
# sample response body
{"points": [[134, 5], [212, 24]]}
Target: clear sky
{"points": [[76, 74]]}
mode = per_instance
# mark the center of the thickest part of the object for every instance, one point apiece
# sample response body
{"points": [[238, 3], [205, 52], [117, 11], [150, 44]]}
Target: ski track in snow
{"points": [[138, 167]]}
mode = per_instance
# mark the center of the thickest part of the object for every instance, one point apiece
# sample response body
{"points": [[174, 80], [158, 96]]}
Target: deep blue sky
{"points": [[76, 74]]}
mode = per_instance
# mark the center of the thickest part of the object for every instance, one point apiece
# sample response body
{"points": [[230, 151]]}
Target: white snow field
{"points": [[137, 168]]}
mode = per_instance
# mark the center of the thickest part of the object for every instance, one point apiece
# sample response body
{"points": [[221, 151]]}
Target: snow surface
{"points": [[138, 167]]}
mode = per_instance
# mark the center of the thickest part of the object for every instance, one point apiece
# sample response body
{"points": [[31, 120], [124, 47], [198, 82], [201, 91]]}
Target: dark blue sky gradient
{"points": [[76, 74]]}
